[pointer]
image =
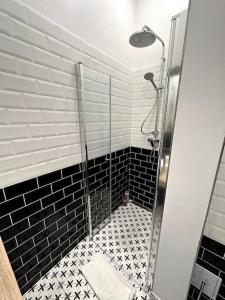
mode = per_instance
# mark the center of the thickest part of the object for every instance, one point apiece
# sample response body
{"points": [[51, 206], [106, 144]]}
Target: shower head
{"points": [[149, 76], [143, 38]]}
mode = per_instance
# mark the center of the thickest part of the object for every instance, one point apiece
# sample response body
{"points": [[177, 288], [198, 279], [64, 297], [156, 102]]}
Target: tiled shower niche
{"points": [[43, 218]]}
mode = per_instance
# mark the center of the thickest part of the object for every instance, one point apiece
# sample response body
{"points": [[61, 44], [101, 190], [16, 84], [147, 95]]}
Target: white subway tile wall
{"points": [[143, 99], [215, 223], [39, 129]]}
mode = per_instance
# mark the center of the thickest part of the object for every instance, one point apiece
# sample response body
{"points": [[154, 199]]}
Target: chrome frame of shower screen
{"points": [[110, 146], [79, 74], [83, 138], [174, 68]]}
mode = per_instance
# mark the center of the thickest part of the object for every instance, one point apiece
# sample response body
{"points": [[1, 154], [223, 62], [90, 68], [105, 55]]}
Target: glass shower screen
{"points": [[94, 106]]}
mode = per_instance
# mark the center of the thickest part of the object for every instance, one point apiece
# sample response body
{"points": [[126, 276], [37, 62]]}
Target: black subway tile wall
{"points": [[43, 218], [143, 171], [120, 175], [35, 222], [99, 175], [211, 256]]}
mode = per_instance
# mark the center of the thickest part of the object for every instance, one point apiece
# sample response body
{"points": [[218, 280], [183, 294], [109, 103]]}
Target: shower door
{"points": [[94, 106]]}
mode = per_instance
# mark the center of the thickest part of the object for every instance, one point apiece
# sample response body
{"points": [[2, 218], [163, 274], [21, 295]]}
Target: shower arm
{"points": [[156, 35]]}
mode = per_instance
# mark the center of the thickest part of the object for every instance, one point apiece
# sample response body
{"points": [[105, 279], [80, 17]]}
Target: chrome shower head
{"points": [[142, 38], [149, 76]]}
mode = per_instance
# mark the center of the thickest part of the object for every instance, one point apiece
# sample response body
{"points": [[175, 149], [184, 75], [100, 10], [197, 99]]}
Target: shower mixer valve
{"points": [[154, 139], [154, 142]]}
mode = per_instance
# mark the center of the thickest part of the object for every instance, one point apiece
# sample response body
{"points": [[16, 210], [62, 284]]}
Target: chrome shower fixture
{"points": [[149, 76], [140, 39], [144, 37]]}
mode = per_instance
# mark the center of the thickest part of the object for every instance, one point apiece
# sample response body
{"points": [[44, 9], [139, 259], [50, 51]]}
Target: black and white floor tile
{"points": [[124, 241]]}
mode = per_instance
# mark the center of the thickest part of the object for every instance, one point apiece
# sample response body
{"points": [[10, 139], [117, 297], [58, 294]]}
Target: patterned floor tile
{"points": [[127, 240], [124, 242]]}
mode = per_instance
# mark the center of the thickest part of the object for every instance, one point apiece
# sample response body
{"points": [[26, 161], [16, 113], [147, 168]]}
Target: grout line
{"points": [[45, 256], [211, 251], [37, 189], [63, 250], [40, 221], [123, 164], [57, 55], [46, 237]]}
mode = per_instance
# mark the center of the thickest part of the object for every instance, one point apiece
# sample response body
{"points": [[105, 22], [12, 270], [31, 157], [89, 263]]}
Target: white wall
{"points": [[157, 15], [198, 137], [104, 24], [143, 99], [107, 25], [97, 112], [215, 223], [39, 129]]}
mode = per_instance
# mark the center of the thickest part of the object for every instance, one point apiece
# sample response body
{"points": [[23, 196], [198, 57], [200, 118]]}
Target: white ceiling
{"points": [[107, 24]]}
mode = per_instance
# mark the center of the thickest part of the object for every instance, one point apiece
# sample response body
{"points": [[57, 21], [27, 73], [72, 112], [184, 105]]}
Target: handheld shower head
{"points": [[149, 76]]}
